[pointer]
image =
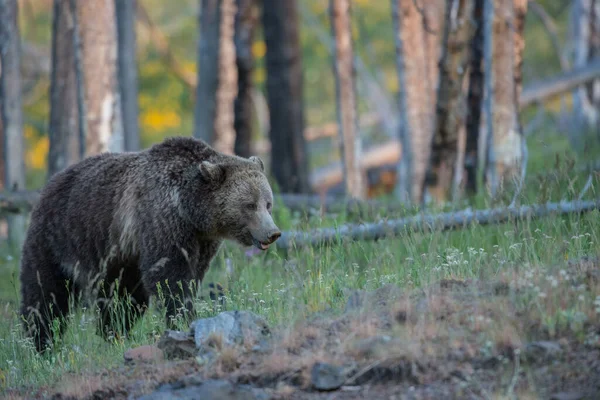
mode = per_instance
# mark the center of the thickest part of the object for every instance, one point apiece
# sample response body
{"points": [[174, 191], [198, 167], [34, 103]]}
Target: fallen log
{"points": [[561, 83], [428, 222], [18, 202], [389, 153]]}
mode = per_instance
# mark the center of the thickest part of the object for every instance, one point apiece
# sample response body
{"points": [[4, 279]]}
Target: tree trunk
{"points": [[11, 112], [415, 98], [217, 75], [98, 32], [284, 95], [128, 81], [344, 72], [475, 100], [505, 139], [586, 98], [63, 129], [450, 110], [245, 24]]}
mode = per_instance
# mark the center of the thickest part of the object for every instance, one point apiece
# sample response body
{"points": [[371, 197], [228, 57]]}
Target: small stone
{"points": [[541, 350], [326, 376], [145, 353], [177, 344]]}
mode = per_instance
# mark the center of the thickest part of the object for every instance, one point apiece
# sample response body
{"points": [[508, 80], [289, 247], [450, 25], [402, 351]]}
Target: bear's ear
{"points": [[211, 173], [258, 161]]}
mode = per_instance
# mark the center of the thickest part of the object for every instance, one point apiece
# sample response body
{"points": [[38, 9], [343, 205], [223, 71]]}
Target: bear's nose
{"points": [[274, 236]]}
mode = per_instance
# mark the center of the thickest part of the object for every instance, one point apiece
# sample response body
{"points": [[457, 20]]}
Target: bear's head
{"points": [[237, 201]]}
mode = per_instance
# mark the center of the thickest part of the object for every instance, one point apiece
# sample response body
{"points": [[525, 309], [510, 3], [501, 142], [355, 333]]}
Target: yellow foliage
{"points": [[259, 75], [259, 49], [361, 2], [37, 152], [391, 81], [154, 119]]}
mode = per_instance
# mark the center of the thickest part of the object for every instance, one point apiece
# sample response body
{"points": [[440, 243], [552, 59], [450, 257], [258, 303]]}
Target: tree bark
{"points": [[98, 32], [11, 112], [344, 72], [284, 95], [429, 223], [63, 130], [415, 99], [505, 139], [217, 75], [475, 101], [245, 24], [127, 65], [450, 110], [586, 98]]}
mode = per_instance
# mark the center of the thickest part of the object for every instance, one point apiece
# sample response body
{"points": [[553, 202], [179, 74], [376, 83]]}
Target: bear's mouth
{"points": [[260, 245]]}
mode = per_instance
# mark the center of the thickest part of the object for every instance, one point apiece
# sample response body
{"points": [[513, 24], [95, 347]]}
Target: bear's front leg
{"points": [[174, 271]]}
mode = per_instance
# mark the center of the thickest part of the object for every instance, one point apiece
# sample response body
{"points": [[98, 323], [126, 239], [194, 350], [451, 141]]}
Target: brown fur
{"points": [[144, 218]]}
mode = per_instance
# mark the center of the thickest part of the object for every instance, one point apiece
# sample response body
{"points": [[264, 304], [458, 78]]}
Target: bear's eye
{"points": [[269, 205], [250, 206]]}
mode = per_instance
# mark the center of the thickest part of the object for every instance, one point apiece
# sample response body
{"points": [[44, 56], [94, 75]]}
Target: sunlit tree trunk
{"points": [[451, 107], [289, 157], [127, 68], [11, 112], [98, 32], [415, 77], [217, 75], [506, 149], [245, 25], [475, 101], [351, 147], [63, 130]]}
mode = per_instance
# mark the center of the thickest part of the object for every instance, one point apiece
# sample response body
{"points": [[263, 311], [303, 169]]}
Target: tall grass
{"points": [[283, 287]]}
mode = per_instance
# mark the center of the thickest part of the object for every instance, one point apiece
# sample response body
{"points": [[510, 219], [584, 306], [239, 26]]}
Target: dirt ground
{"points": [[453, 340]]}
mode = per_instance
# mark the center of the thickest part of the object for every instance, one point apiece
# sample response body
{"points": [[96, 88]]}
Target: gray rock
{"points": [[177, 344], [234, 327], [325, 376], [218, 389], [541, 350]]}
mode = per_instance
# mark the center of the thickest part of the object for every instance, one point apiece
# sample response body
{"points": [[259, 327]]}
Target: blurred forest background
{"points": [[263, 77]]}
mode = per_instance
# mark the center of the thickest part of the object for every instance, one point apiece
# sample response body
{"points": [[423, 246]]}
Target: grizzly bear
{"points": [[121, 223]]}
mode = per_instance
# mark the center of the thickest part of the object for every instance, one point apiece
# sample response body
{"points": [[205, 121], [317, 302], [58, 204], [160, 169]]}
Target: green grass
{"points": [[283, 287]]}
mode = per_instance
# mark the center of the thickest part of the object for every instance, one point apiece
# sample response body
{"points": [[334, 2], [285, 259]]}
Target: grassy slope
{"points": [[284, 288]]}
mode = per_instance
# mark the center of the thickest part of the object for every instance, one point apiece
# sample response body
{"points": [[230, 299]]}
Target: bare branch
{"points": [[550, 26]]}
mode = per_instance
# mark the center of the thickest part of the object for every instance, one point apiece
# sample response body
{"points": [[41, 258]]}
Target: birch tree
{"points": [[63, 129], [217, 75], [98, 33], [11, 112], [505, 45], [345, 89], [127, 72], [285, 95], [451, 107]]}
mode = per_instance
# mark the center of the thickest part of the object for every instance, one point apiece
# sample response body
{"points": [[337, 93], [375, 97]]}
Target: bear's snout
{"points": [[273, 236]]}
